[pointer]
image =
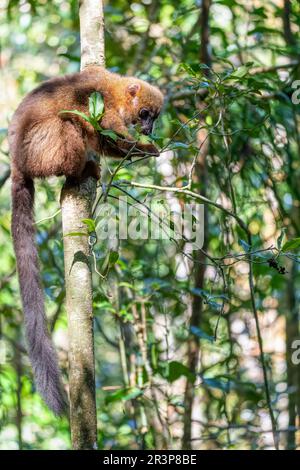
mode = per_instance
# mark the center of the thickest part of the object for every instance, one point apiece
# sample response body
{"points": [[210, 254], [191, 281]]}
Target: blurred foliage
{"points": [[142, 309]]}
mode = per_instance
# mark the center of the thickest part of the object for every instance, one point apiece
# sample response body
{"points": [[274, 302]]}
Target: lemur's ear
{"points": [[133, 89]]}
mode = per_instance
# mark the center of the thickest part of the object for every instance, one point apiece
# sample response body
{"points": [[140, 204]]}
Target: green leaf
{"points": [[291, 244], [203, 67], [90, 223], [216, 383], [78, 113], [204, 85], [201, 334], [124, 394], [126, 284], [240, 72], [109, 261], [176, 370], [199, 292], [280, 238], [264, 30], [214, 305], [113, 258], [187, 68], [109, 133], [178, 145], [96, 105], [244, 245]]}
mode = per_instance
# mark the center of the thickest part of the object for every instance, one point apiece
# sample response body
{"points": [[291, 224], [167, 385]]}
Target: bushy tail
{"points": [[40, 348]]}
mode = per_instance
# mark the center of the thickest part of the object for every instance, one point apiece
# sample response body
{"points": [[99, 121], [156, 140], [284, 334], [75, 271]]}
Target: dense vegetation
{"points": [[194, 348]]}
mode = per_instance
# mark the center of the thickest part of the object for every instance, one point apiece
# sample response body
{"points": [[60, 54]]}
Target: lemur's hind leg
{"points": [[75, 164], [73, 157], [54, 147], [57, 147]]}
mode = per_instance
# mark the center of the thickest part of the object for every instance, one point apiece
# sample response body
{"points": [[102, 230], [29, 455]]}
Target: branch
{"points": [[186, 191], [288, 34], [244, 227], [198, 173], [274, 68], [261, 350], [203, 92]]}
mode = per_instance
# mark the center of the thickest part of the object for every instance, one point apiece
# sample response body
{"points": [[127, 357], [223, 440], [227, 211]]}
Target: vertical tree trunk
{"points": [[293, 373], [199, 267], [288, 35], [76, 204], [292, 314]]}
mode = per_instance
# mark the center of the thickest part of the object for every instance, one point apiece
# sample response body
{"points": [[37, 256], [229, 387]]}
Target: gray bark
{"points": [[76, 205]]}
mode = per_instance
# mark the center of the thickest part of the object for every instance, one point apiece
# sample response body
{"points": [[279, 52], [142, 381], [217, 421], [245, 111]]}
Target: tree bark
{"points": [[76, 205], [293, 373], [288, 35], [200, 177]]}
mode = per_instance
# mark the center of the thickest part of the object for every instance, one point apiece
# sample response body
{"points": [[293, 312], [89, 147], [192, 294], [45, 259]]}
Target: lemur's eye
{"points": [[144, 113]]}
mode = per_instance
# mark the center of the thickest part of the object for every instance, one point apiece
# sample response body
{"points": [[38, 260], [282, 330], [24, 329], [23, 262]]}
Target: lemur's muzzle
{"points": [[147, 127]]}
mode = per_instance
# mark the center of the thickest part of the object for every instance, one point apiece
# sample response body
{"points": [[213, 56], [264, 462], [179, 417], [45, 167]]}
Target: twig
{"points": [[184, 190], [261, 350]]}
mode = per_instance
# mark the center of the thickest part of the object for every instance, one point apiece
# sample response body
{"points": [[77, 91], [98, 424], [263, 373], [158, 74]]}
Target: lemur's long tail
{"points": [[40, 348]]}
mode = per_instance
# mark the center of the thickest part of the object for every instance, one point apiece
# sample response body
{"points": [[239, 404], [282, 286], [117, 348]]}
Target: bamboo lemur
{"points": [[45, 142]]}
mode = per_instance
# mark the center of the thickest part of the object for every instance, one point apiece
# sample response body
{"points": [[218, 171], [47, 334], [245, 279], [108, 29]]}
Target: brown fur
{"points": [[44, 142]]}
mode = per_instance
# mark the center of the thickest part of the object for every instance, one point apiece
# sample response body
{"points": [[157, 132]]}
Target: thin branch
{"points": [[261, 350], [187, 192]]}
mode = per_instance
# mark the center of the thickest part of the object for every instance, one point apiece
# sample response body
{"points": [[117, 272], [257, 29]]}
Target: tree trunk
{"points": [[200, 177], [288, 35], [293, 374], [76, 204]]}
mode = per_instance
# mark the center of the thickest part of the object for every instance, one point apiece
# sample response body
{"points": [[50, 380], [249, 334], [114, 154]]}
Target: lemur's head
{"points": [[143, 103]]}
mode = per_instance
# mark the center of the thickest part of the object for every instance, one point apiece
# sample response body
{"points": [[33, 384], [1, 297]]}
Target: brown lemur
{"points": [[45, 142]]}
